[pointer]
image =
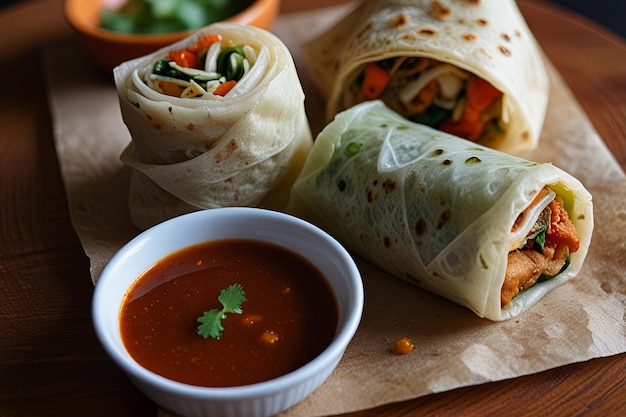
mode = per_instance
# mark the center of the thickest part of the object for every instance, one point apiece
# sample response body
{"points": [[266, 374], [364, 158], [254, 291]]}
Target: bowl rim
{"points": [[344, 334], [82, 24]]}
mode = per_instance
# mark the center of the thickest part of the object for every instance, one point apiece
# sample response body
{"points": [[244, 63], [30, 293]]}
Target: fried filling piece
{"points": [[546, 251]]}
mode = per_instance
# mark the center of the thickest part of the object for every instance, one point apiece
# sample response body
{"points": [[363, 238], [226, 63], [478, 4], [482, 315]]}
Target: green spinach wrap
{"points": [[485, 229]]}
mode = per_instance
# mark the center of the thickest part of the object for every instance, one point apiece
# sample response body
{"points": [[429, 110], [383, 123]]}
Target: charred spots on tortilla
{"points": [[473, 160], [444, 218], [427, 32], [399, 21], [472, 2], [506, 37], [371, 196], [341, 185], [389, 185], [439, 10], [446, 162], [470, 37], [387, 242], [504, 50], [437, 152], [482, 21], [191, 127], [410, 37], [230, 148], [421, 227]]}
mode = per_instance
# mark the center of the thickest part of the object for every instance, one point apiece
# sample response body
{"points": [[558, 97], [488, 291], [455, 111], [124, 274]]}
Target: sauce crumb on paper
{"points": [[403, 346]]}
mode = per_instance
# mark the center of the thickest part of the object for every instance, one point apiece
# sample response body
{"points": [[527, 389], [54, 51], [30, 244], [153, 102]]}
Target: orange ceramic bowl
{"points": [[110, 49]]}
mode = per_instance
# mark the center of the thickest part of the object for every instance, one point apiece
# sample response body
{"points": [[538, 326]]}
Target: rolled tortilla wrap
{"points": [[422, 57], [437, 210], [243, 148]]}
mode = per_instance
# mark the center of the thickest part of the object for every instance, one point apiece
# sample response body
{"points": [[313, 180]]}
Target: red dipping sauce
{"points": [[289, 318]]}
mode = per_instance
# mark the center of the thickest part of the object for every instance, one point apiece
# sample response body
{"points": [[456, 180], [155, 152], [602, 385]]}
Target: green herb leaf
{"points": [[231, 299], [352, 149], [211, 324], [540, 241]]}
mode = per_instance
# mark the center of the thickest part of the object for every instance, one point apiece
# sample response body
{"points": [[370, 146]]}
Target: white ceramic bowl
{"points": [[256, 400]]}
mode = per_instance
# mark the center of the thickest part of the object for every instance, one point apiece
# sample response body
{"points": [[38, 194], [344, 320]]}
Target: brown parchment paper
{"points": [[581, 320]]}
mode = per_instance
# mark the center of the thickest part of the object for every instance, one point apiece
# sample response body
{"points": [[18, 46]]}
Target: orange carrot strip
{"points": [[480, 94], [184, 58], [204, 42], [464, 128], [224, 88], [375, 81]]}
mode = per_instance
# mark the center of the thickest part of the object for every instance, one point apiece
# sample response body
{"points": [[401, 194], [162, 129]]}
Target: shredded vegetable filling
{"points": [[549, 237], [204, 70], [433, 93]]}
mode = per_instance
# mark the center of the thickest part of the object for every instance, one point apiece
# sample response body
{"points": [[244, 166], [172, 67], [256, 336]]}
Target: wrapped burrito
{"points": [[216, 120], [485, 229], [469, 68]]}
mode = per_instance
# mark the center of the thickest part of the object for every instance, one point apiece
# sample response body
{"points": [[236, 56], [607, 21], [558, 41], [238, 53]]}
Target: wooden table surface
{"points": [[50, 360]]}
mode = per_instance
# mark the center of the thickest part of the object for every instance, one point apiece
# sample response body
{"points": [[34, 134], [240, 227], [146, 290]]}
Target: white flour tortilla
{"points": [[243, 149], [429, 207], [488, 38]]}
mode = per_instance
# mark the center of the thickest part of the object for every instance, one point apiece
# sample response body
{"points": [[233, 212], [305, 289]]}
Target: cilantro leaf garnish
{"points": [[231, 298]]}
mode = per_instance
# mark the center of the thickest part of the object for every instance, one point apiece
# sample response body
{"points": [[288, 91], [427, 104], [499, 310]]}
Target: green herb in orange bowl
{"points": [[115, 31]]}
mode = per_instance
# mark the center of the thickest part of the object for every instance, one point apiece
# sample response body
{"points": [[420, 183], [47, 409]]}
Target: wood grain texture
{"points": [[50, 361]]}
